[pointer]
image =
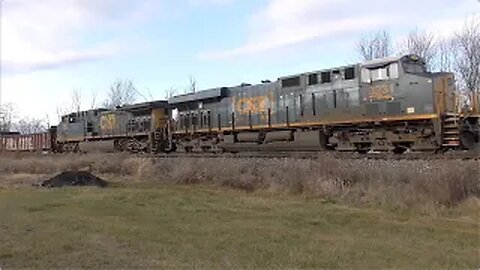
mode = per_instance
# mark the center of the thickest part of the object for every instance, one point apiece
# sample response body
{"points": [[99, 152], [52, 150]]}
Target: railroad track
{"points": [[451, 155], [458, 155]]}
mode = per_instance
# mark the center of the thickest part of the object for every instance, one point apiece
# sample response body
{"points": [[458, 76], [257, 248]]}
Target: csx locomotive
{"points": [[392, 104]]}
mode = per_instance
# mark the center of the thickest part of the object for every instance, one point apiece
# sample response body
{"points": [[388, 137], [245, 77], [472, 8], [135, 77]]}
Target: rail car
{"points": [[385, 105], [16, 142]]}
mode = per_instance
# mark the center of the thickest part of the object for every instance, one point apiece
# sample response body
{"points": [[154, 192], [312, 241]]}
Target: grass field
{"points": [[197, 226]]}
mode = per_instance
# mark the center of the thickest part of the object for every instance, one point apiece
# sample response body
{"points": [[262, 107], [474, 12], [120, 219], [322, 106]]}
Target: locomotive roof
{"points": [[317, 71], [387, 60], [381, 61], [200, 95], [144, 105], [84, 112]]}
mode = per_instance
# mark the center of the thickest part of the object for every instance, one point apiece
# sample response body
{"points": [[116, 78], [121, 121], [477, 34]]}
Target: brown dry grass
{"points": [[432, 184]]}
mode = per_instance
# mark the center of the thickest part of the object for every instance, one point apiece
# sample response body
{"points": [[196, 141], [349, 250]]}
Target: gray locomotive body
{"points": [[390, 104], [135, 128]]}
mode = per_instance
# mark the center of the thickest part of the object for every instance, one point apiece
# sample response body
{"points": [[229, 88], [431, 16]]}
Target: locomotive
{"points": [[384, 105], [134, 128], [392, 104]]}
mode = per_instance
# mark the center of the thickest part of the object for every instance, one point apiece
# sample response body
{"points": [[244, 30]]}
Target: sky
{"points": [[49, 48]]}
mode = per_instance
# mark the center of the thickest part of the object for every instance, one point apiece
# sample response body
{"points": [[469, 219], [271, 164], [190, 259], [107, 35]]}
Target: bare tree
{"points": [[121, 92], [93, 98], [150, 95], [422, 44], [47, 120], [467, 64], [76, 97], [9, 122], [63, 110], [192, 85], [376, 45], [446, 52], [140, 94], [7, 117], [172, 91], [31, 125], [74, 104]]}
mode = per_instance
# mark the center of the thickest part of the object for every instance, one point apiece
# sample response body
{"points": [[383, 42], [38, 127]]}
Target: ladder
{"points": [[451, 130], [156, 141]]}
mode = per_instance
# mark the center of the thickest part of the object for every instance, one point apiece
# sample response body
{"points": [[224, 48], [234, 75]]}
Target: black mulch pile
{"points": [[74, 178]]}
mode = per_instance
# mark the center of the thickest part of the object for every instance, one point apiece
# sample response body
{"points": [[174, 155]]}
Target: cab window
{"points": [[382, 73]]}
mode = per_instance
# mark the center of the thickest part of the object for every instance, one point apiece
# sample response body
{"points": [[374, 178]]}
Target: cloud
{"points": [[49, 34], [34, 60], [287, 36], [282, 23]]}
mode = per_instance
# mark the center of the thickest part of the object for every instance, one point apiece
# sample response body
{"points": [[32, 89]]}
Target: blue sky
{"points": [[50, 47]]}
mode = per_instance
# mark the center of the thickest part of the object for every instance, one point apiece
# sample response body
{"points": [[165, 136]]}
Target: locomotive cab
{"points": [[77, 127], [403, 86]]}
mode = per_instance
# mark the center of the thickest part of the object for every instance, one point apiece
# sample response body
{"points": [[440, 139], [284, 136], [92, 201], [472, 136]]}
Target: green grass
{"points": [[201, 227]]}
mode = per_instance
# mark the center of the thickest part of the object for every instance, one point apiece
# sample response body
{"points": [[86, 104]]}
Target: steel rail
{"points": [[459, 155]]}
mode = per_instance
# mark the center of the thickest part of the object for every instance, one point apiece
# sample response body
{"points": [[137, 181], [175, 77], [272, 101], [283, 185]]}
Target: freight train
{"points": [[384, 105]]}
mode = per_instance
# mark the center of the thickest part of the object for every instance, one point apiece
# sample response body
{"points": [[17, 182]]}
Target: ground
{"points": [[199, 226]]}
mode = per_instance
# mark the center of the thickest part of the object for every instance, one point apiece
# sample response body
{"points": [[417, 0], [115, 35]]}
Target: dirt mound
{"points": [[74, 178]]}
